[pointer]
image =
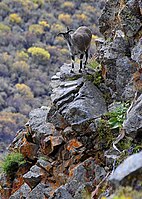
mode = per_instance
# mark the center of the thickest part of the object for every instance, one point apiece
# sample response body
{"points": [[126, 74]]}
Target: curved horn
{"points": [[61, 33], [69, 31]]}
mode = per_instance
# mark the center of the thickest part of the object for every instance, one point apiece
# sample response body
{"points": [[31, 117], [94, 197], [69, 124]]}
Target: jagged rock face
{"points": [[82, 180], [65, 142], [75, 101], [121, 53], [22, 192]]}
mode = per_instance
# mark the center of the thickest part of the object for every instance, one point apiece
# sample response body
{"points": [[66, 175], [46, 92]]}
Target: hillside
{"points": [[30, 53], [87, 144]]}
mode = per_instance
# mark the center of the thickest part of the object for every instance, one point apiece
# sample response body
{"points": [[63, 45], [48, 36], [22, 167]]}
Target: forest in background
{"points": [[30, 53]]}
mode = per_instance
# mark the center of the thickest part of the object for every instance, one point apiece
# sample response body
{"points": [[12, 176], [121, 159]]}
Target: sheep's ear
{"points": [[68, 29]]}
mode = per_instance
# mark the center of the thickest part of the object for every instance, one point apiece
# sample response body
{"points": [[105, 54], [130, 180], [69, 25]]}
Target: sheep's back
{"points": [[81, 41]]}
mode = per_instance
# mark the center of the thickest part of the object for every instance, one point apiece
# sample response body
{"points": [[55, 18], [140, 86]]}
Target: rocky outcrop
{"points": [[75, 101], [120, 23], [65, 145], [58, 142]]}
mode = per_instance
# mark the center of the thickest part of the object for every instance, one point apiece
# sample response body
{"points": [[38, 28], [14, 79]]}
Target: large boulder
{"points": [[38, 124], [128, 171]]}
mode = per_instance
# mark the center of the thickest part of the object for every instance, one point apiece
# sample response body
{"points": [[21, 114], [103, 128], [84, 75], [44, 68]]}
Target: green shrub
{"points": [[11, 162], [117, 116], [97, 76]]}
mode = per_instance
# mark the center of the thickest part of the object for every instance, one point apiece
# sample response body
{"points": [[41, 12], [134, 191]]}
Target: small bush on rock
{"points": [[117, 116], [12, 162]]}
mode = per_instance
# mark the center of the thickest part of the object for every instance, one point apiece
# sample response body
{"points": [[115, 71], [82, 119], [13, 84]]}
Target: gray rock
{"points": [[83, 192], [56, 118], [72, 186], [137, 52], [44, 164], [129, 19], [108, 15], [61, 193], [88, 171], [66, 89], [124, 69], [129, 92], [66, 74], [39, 125], [82, 181], [88, 104], [33, 177], [39, 191], [133, 123], [127, 171], [22, 192]]}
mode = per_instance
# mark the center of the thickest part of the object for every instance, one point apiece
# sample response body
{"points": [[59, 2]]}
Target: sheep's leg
{"points": [[86, 58], [81, 58], [73, 60]]}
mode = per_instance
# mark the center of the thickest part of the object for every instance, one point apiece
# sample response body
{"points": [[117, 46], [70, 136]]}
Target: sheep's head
{"points": [[66, 34]]}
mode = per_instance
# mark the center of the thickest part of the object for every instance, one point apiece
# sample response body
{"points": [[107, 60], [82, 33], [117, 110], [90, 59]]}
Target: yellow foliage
{"points": [[81, 17], [4, 28], [15, 18], [56, 28], [27, 4], [68, 4], [44, 24], [6, 57], [88, 8], [39, 53], [65, 18], [25, 90], [22, 56], [36, 28], [4, 7], [6, 117], [21, 66], [64, 51]]}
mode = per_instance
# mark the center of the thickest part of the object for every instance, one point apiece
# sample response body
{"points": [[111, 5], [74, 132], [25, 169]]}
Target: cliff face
{"points": [[69, 148]]}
